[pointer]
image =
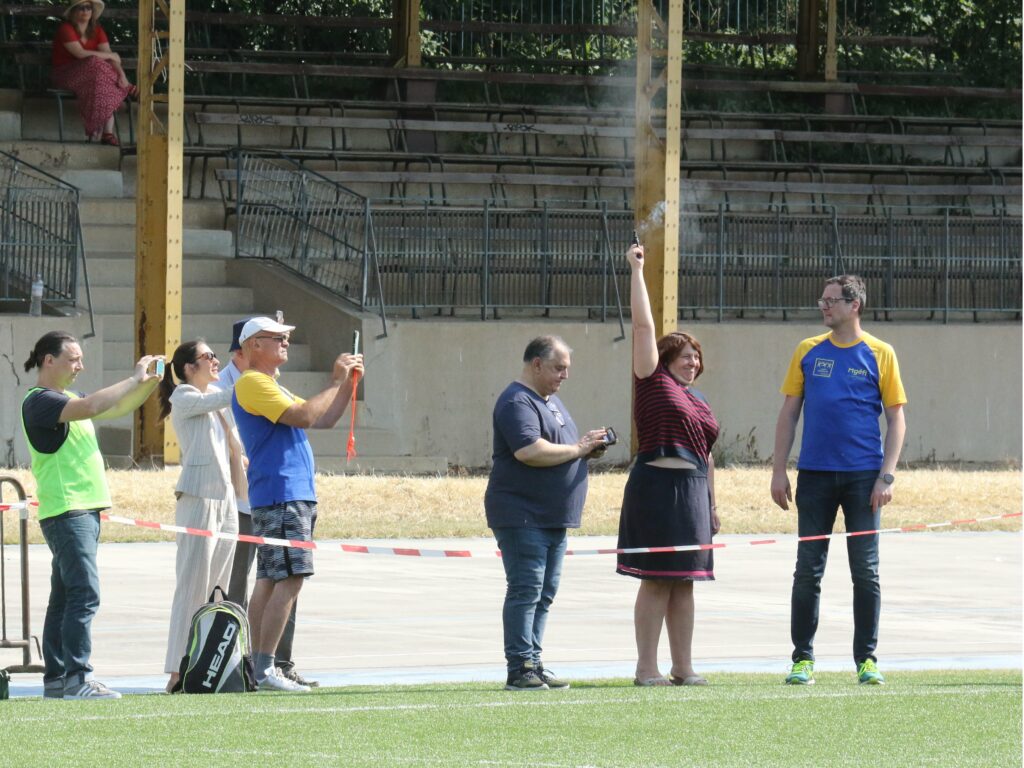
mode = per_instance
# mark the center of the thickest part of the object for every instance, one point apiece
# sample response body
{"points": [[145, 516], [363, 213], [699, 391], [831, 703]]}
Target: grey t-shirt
{"points": [[520, 496]]}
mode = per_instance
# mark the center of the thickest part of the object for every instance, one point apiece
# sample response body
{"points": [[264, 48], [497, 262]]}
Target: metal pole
{"points": [[25, 643], [949, 256]]}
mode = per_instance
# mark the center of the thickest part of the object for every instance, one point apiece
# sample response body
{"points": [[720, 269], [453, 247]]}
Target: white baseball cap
{"points": [[257, 324]]}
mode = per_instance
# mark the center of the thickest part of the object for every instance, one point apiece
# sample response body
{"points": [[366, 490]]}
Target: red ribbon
{"points": [[350, 451]]}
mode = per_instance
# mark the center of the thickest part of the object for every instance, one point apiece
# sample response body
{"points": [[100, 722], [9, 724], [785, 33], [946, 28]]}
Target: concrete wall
{"points": [[440, 378], [435, 381], [18, 335]]}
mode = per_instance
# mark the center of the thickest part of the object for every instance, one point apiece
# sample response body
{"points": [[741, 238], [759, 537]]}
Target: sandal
{"points": [[650, 682], [110, 140], [688, 680]]}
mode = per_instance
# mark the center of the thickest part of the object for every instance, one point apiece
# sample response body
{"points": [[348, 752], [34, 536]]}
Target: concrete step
{"points": [[11, 99], [106, 238], [196, 214], [121, 299], [39, 120], [95, 183], [10, 126], [119, 355], [55, 157], [197, 271], [209, 242]]}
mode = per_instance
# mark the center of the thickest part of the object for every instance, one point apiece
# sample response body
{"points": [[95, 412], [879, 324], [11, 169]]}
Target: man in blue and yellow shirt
{"points": [[272, 423], [843, 381]]}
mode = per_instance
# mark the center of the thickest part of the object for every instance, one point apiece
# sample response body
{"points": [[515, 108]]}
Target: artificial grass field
{"points": [[916, 719]]}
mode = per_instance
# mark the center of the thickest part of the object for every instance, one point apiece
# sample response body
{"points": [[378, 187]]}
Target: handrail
{"points": [[40, 233], [307, 223], [25, 641]]}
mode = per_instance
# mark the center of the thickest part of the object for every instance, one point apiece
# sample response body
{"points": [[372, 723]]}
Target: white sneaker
{"points": [[91, 689], [275, 681]]}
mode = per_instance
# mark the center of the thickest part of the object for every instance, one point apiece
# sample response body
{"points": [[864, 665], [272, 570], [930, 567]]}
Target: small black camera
{"points": [[610, 438]]}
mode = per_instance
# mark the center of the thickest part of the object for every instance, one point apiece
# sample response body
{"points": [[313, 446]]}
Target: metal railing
{"points": [[307, 223], [945, 265], [40, 234], [26, 641], [494, 257]]}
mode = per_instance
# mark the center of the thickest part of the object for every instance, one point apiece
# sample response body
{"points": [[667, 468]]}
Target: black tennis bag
{"points": [[218, 654]]}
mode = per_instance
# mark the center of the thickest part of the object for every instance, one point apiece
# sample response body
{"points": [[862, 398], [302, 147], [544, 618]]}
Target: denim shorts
{"points": [[293, 520]]}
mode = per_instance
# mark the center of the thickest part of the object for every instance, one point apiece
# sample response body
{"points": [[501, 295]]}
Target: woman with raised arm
{"points": [[84, 64], [669, 499], [211, 470]]}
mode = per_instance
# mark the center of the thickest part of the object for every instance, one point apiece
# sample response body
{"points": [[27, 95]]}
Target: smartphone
{"points": [[610, 438], [355, 342], [159, 368]]}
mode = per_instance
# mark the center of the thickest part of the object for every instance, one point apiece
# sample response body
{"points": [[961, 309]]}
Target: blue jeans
{"points": [[74, 597], [533, 567], [818, 498]]}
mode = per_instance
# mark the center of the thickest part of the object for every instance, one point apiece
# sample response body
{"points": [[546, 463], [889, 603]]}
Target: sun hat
{"points": [[257, 324], [97, 8]]}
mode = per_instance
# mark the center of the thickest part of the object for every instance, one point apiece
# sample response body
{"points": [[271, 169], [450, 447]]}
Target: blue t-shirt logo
{"points": [[823, 368]]}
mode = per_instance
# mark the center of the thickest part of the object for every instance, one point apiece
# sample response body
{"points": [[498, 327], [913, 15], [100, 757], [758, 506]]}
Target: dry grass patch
{"points": [[425, 507]]}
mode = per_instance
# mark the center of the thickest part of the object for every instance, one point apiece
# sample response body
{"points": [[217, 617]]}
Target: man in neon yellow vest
{"points": [[72, 490]]}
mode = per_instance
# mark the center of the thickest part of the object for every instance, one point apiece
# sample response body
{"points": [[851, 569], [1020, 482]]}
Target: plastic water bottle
{"points": [[36, 306]]}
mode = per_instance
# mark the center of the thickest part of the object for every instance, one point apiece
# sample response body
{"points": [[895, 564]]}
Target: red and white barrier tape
{"points": [[415, 552], [361, 549]]}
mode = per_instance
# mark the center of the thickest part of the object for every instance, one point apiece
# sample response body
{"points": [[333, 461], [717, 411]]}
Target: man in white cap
{"points": [[245, 553], [272, 423]]}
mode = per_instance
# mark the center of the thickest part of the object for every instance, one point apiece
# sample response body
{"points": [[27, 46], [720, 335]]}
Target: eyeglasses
{"points": [[279, 339], [205, 356], [830, 302], [83, 7], [557, 414]]}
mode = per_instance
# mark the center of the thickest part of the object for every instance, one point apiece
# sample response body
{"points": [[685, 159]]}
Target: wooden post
{"points": [[831, 54], [656, 180], [807, 40], [406, 45], [158, 206]]}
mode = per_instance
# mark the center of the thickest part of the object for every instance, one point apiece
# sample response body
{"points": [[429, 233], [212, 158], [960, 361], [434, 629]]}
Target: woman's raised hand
{"points": [[635, 256]]}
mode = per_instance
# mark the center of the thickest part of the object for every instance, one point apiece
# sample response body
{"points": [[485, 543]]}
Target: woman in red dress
{"points": [[84, 64]]}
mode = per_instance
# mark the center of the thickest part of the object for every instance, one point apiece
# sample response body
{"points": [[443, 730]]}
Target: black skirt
{"points": [[664, 507]]}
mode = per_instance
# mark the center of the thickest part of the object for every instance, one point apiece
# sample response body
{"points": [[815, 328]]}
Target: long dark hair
{"points": [[51, 343], [184, 355]]}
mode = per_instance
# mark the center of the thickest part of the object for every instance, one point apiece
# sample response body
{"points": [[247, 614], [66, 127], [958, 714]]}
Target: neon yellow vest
{"points": [[72, 478]]}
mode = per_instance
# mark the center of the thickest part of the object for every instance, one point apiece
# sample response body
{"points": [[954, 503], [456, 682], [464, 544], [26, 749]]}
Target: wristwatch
{"points": [[887, 478]]}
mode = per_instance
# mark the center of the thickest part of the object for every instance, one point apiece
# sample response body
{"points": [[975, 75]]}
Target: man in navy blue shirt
{"points": [[536, 490]]}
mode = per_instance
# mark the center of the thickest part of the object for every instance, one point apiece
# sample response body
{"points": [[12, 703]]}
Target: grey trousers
{"points": [[201, 563], [238, 591]]}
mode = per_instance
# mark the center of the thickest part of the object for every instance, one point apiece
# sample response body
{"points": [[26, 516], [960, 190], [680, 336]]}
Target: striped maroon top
{"points": [[672, 420]]}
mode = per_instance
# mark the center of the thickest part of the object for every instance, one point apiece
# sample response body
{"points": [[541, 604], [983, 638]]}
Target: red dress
{"points": [[92, 80]]}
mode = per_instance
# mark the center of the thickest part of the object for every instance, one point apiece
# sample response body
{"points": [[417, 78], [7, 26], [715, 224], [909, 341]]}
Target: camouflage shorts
{"points": [[292, 520]]}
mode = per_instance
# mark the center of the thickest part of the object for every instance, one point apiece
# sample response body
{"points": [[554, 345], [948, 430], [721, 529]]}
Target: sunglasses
{"points": [[205, 356], [279, 339]]}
